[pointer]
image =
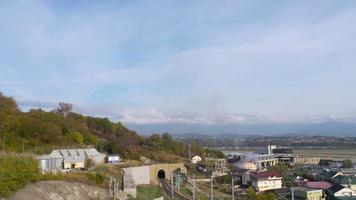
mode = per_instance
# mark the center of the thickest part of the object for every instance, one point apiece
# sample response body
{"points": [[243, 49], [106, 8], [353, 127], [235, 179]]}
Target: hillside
{"points": [[57, 190], [39, 131]]}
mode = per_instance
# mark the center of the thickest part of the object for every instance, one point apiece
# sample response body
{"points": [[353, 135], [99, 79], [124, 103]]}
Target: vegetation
{"points": [[146, 192], [347, 164], [16, 170], [39, 131], [96, 177], [252, 195]]}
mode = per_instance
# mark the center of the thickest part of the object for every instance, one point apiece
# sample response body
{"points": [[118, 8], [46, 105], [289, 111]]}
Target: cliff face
{"points": [[60, 190]]}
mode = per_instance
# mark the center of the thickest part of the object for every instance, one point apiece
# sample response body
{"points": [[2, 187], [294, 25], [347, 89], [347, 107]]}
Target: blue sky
{"points": [[208, 62]]}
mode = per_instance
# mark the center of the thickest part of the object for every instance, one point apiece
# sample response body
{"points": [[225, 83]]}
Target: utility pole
{"points": [[292, 192], [232, 188], [211, 188], [190, 156], [3, 144], [172, 192], [193, 187]]}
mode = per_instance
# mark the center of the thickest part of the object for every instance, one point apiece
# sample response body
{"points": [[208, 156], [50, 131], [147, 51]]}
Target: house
{"points": [[346, 181], [113, 158], [195, 159], [338, 190], [267, 180], [319, 185], [64, 159], [304, 193]]}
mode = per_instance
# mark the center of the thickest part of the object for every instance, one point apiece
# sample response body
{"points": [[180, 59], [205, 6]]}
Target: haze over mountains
{"points": [[323, 128]]}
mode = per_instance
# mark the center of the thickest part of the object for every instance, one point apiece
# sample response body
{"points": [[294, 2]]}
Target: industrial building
{"points": [[255, 161], [65, 159]]}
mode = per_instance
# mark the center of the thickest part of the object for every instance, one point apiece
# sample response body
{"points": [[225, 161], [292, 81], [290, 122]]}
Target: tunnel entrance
{"points": [[161, 174]]}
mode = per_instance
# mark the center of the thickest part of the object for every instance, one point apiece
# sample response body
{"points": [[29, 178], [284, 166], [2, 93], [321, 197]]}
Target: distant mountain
{"points": [[323, 128]]}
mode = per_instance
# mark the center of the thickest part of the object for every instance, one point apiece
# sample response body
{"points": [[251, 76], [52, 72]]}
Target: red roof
{"points": [[319, 185], [265, 174]]}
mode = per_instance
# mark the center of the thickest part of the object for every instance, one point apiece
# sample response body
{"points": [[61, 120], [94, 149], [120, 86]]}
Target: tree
{"points": [[347, 164], [76, 137], [251, 194], [88, 163], [270, 196], [64, 109]]}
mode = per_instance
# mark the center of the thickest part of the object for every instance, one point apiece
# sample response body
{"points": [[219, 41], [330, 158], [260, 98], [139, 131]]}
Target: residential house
{"points": [[267, 180], [195, 159], [346, 181], [338, 190], [304, 193]]}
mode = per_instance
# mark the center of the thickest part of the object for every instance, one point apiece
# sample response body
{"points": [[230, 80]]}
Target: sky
{"points": [[183, 62]]}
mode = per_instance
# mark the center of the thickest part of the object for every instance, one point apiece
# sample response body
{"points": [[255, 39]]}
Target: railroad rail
{"points": [[168, 189]]}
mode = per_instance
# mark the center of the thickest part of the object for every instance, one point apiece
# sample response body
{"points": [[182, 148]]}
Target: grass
{"points": [[149, 192]]}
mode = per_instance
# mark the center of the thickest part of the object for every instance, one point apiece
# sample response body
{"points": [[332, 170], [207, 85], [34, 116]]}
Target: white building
{"points": [[195, 159], [255, 161], [340, 191], [68, 159], [263, 181]]}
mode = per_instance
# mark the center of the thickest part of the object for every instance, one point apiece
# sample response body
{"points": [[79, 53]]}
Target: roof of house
{"points": [[319, 185], [265, 174], [335, 188], [343, 180]]}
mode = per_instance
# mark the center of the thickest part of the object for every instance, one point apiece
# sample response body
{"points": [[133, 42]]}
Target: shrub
{"points": [[16, 170], [96, 177]]}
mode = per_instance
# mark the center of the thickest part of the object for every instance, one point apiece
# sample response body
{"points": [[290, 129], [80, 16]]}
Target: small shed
{"points": [[113, 158]]}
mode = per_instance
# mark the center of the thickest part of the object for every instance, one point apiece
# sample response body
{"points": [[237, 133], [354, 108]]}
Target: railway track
{"points": [[168, 189]]}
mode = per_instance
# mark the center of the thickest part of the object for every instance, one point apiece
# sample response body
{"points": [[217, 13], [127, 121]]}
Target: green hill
{"points": [[39, 131]]}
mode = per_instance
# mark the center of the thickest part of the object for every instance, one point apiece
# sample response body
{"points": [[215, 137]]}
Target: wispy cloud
{"points": [[182, 62]]}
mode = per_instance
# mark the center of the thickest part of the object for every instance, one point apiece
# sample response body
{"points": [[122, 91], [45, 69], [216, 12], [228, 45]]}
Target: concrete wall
{"points": [[168, 169], [134, 176]]}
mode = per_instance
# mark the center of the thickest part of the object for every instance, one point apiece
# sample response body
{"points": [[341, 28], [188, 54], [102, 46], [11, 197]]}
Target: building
{"points": [[195, 159], [264, 181], [304, 193], [113, 158], [255, 161], [242, 175], [345, 181], [331, 163], [64, 159], [52, 162], [319, 185], [337, 191], [216, 166], [151, 174], [284, 155]]}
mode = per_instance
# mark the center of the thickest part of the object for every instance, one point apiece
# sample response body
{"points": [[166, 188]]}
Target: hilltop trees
{"points": [[40, 131]]}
